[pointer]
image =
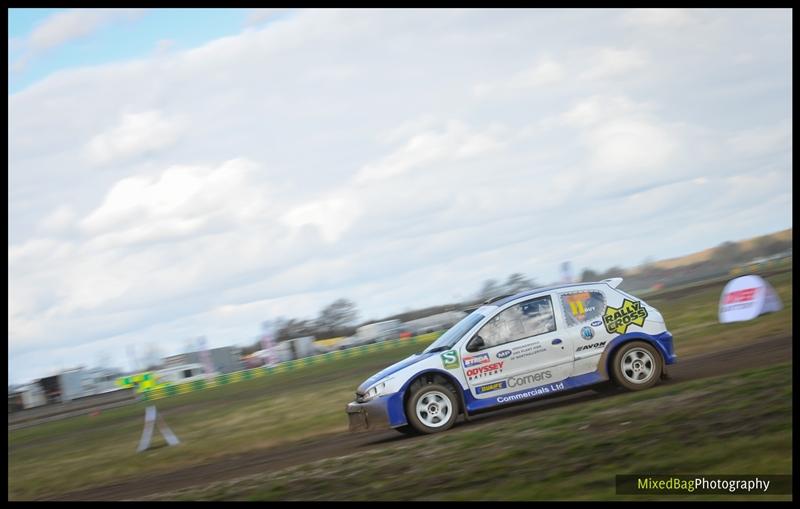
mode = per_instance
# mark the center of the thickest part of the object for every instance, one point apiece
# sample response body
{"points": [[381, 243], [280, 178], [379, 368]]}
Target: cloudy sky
{"points": [[178, 173]]}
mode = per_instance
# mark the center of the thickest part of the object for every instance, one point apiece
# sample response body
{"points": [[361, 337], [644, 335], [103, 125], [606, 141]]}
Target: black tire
{"points": [[630, 376], [438, 394]]}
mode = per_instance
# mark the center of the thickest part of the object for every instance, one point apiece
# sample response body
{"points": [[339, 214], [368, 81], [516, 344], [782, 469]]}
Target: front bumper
{"points": [[368, 416]]}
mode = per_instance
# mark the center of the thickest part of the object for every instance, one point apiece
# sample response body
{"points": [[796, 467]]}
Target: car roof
{"points": [[506, 299]]}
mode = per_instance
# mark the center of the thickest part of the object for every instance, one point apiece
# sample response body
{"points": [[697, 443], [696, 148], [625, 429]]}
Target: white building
{"points": [[181, 373]]}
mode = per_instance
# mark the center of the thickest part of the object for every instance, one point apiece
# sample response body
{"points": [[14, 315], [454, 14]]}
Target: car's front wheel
{"points": [[431, 407], [637, 365]]}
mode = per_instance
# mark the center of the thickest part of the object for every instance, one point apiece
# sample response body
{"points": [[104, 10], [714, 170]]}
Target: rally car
{"points": [[518, 348]]}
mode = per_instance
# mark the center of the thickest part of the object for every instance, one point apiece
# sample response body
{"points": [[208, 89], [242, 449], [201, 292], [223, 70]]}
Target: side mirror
{"points": [[476, 344]]}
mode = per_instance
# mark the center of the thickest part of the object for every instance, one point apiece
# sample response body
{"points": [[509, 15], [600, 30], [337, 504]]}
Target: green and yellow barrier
{"points": [[148, 386]]}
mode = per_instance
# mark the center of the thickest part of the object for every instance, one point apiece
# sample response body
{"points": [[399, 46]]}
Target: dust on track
{"points": [[763, 352]]}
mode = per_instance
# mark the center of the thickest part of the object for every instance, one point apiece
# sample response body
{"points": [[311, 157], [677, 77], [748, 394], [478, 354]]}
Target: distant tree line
{"points": [[339, 318], [722, 258]]}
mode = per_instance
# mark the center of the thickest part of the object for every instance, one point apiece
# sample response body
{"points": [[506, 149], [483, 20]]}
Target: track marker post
{"points": [[150, 418]]}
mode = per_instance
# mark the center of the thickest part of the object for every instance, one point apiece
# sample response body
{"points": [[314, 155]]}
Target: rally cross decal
{"points": [[618, 319]]}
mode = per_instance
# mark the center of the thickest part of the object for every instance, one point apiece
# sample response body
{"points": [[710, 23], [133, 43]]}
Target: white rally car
{"points": [[518, 348]]}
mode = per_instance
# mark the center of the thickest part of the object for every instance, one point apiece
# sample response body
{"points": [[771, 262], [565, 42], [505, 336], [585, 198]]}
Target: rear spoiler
{"points": [[612, 282]]}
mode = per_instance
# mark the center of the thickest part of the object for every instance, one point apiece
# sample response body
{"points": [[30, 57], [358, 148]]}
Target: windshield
{"points": [[454, 333]]}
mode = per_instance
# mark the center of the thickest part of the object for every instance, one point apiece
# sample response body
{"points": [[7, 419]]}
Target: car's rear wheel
{"points": [[637, 365], [431, 407]]}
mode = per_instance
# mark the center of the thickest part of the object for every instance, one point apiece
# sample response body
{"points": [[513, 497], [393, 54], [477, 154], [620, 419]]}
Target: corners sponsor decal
{"points": [[485, 369], [529, 379], [502, 354], [617, 320], [587, 333], [475, 360], [496, 386], [450, 359]]}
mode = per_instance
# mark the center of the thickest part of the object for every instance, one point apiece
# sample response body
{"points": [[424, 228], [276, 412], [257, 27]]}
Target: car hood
{"points": [[394, 368]]}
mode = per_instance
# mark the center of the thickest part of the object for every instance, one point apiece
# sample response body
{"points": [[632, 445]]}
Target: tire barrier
{"points": [[149, 388]]}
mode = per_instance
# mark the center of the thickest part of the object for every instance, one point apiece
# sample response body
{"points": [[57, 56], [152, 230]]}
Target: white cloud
{"points": [[547, 71], [181, 201], [256, 16], [660, 18], [611, 62], [136, 134], [763, 140], [333, 216], [455, 141], [60, 220]]}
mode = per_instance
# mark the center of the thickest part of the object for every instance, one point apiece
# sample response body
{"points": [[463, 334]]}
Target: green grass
{"points": [[85, 451], [735, 424]]}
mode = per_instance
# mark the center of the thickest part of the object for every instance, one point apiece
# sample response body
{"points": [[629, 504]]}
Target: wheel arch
{"points": [[429, 373], [604, 366]]}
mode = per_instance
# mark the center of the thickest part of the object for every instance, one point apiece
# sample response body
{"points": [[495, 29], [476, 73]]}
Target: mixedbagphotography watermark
{"points": [[703, 484]]}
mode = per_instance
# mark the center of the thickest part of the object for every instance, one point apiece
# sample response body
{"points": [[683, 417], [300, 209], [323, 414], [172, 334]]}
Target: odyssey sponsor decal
{"points": [[502, 354], [474, 360], [529, 379], [483, 389], [596, 323], [591, 347], [617, 320], [485, 369], [450, 359], [538, 391], [587, 333]]}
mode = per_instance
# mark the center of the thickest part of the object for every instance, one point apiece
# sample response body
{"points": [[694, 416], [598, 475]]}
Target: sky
{"points": [[176, 173]]}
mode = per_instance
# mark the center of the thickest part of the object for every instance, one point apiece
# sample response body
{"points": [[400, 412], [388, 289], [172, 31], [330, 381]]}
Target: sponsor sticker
{"points": [[587, 333], [529, 379], [617, 320], [496, 386], [538, 391], [450, 359], [520, 352], [577, 305], [475, 360], [502, 354], [485, 369], [746, 295], [597, 323], [591, 347]]}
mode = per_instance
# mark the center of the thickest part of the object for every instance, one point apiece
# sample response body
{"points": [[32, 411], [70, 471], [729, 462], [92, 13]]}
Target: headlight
{"points": [[376, 390]]}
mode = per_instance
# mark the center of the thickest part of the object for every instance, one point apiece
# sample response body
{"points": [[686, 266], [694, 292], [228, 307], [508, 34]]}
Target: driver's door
{"points": [[519, 348]]}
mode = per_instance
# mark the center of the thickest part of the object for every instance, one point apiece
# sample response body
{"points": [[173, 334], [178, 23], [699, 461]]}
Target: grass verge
{"points": [[735, 424]]}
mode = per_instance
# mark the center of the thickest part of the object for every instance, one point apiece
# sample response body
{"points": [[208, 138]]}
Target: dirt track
{"points": [[760, 353]]}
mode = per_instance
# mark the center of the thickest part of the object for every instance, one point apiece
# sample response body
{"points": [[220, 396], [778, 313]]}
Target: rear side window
{"points": [[583, 306]]}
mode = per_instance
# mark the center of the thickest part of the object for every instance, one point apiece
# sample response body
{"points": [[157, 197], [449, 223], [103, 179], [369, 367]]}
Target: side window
{"points": [[583, 306], [520, 321]]}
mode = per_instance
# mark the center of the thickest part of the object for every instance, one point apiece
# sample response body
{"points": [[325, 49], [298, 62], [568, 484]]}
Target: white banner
{"points": [[747, 297]]}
